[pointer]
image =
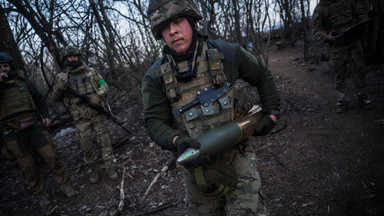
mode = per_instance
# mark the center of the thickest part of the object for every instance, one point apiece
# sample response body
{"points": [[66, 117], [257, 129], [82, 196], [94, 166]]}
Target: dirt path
{"points": [[322, 163]]}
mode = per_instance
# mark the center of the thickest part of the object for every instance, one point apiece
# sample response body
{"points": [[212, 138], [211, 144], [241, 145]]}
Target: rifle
{"points": [[352, 31], [85, 99]]}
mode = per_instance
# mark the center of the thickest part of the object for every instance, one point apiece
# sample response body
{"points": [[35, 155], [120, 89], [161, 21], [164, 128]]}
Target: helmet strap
{"points": [[192, 64]]}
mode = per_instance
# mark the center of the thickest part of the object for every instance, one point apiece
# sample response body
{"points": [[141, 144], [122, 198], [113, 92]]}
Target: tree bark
{"points": [[7, 41]]}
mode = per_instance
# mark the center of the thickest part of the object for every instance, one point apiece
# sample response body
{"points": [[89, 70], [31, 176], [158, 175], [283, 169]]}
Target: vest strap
{"points": [[170, 81], [216, 66]]}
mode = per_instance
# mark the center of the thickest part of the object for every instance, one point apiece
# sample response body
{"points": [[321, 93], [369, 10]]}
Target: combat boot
{"points": [[94, 175], [111, 173], [341, 106], [366, 104], [43, 198], [68, 189]]}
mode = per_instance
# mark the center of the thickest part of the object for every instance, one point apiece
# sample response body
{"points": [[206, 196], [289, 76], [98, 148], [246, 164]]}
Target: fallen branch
{"points": [[168, 164], [166, 205], [277, 159], [120, 206], [263, 147], [121, 141]]}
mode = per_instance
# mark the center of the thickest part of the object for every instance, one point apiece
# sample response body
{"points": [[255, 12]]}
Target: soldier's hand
{"points": [[95, 100], [332, 36], [3, 77], [184, 142], [61, 86], [47, 122], [100, 93], [265, 126]]}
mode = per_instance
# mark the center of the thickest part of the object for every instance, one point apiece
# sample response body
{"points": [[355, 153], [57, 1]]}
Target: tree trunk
{"points": [[7, 42], [119, 70], [238, 38], [305, 31], [41, 28]]}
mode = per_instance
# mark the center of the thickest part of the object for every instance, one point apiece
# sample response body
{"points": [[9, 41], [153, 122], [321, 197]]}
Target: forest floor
{"points": [[315, 162]]}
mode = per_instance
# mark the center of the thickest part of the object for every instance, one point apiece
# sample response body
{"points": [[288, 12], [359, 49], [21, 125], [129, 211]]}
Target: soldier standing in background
{"points": [[333, 23], [20, 108], [86, 81], [229, 183]]}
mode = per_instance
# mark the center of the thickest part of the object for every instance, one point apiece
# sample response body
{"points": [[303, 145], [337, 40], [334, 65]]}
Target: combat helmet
{"points": [[5, 58], [161, 11], [71, 50]]}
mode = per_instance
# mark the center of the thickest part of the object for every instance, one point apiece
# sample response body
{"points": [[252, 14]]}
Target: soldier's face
{"points": [[72, 58], [5, 68], [177, 34]]}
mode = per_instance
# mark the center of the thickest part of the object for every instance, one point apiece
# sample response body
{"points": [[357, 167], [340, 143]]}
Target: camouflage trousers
{"points": [[348, 63], [245, 200], [20, 143], [85, 129]]}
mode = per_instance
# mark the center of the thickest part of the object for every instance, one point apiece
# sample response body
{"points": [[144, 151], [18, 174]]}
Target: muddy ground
{"points": [[315, 162]]}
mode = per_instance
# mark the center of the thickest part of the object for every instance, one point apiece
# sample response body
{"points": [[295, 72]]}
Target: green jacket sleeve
{"points": [[157, 112]]}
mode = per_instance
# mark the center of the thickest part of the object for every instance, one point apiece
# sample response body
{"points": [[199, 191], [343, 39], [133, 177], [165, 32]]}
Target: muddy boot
{"points": [[68, 189], [94, 175], [111, 173], [366, 104], [341, 106], [43, 198]]}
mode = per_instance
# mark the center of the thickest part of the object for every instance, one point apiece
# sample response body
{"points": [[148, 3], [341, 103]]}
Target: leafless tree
{"points": [[7, 41], [305, 26], [116, 39]]}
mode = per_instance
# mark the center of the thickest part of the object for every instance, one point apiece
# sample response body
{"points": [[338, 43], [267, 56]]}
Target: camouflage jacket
{"points": [[84, 80], [336, 16], [238, 64]]}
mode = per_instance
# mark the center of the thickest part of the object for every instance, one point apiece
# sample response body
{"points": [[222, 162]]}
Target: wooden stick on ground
{"points": [[169, 163], [120, 206], [166, 205], [121, 141]]}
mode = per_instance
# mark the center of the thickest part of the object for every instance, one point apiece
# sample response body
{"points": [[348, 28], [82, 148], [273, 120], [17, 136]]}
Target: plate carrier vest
{"points": [[199, 119]]}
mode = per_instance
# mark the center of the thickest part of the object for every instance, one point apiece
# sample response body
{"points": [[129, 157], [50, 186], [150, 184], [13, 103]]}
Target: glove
{"points": [[265, 126], [61, 86], [3, 77], [185, 142], [95, 100]]}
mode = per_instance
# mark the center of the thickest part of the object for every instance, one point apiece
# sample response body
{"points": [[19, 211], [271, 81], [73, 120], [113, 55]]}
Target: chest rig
{"points": [[15, 98], [210, 72], [81, 80]]}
